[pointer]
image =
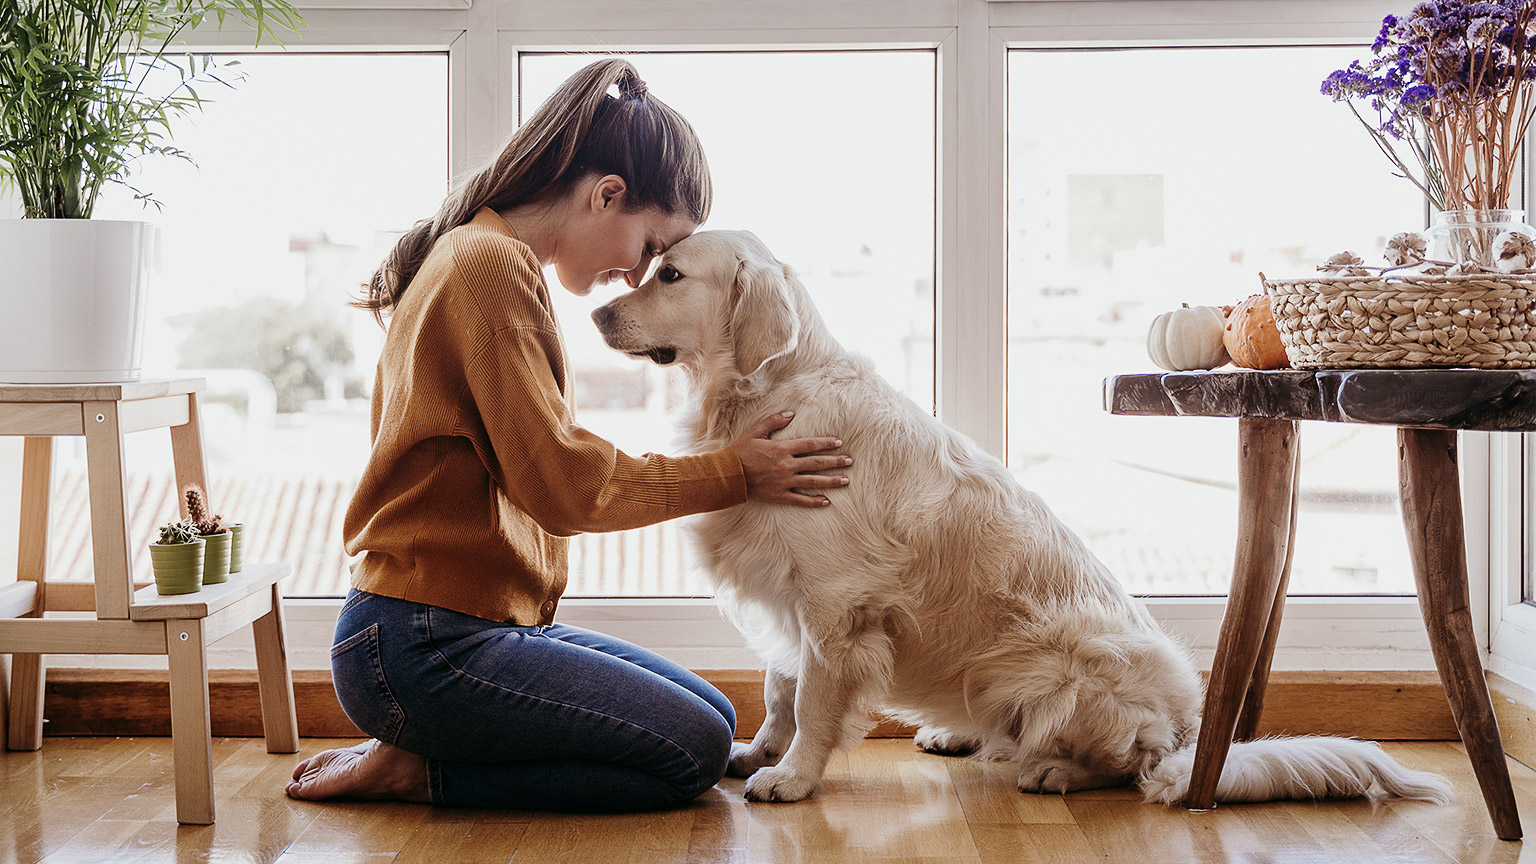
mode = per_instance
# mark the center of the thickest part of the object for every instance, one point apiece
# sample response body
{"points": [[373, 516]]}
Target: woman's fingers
{"points": [[821, 463], [777, 470], [772, 423], [819, 481], [807, 446]]}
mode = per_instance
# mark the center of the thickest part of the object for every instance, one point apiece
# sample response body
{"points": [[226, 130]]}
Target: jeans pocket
{"points": [[357, 671]]}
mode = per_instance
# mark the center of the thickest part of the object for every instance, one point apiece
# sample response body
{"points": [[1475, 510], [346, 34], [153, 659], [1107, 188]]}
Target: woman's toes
{"points": [[326, 775], [368, 770]]}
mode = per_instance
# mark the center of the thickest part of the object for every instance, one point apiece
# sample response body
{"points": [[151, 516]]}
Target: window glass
{"points": [[307, 171], [1125, 201], [828, 157]]}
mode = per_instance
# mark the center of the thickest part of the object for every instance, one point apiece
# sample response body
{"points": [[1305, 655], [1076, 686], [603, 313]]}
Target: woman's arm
{"points": [[573, 481]]}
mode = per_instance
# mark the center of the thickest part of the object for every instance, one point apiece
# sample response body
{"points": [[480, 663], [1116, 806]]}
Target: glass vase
{"points": [[1460, 236]]}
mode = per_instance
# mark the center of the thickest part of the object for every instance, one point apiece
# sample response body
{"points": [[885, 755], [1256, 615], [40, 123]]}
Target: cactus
{"points": [[197, 512], [175, 533]]}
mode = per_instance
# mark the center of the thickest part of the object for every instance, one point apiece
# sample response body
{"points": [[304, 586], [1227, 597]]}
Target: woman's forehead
{"points": [[669, 228]]}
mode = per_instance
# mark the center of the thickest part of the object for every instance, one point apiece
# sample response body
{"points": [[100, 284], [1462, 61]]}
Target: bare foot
{"points": [[372, 769]]}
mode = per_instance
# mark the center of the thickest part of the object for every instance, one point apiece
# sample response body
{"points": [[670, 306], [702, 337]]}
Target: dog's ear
{"points": [[764, 322]]}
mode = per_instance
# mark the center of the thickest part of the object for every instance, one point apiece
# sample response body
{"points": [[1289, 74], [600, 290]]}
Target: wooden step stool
{"points": [[130, 618]]}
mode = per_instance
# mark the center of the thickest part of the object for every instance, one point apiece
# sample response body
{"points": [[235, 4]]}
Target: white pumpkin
{"points": [[1188, 338]]}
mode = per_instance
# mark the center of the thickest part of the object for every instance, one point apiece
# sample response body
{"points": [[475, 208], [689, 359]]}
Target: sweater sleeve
{"points": [[568, 479]]}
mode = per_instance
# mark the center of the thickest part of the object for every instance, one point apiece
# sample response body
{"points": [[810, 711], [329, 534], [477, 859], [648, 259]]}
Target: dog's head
{"points": [[714, 295]]}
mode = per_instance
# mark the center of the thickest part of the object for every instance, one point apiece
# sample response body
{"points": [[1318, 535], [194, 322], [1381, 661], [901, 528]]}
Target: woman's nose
{"points": [[634, 277]]}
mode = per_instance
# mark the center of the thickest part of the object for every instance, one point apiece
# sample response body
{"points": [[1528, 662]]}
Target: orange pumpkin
{"points": [[1251, 336]]}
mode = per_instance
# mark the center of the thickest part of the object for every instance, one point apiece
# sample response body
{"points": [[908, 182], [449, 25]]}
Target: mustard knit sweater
{"points": [[478, 472]]}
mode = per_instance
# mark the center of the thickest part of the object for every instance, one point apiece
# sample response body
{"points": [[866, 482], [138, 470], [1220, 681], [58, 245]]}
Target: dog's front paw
{"points": [[779, 784], [747, 758]]}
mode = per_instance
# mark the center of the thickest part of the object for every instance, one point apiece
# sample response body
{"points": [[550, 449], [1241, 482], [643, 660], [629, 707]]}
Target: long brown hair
{"points": [[579, 131]]}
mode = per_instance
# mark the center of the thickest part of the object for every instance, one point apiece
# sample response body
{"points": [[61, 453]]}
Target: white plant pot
{"points": [[72, 297]]}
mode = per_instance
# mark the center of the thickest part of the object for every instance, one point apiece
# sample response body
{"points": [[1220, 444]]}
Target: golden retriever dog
{"points": [[934, 588]]}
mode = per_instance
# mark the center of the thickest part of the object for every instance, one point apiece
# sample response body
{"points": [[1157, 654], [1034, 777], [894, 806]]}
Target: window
{"points": [[1231, 164], [883, 92], [828, 157], [261, 245]]}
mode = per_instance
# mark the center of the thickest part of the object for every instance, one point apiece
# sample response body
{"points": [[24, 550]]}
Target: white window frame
{"points": [[971, 39]]}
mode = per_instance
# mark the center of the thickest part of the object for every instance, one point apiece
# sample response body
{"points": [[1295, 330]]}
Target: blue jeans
{"points": [[535, 718]]}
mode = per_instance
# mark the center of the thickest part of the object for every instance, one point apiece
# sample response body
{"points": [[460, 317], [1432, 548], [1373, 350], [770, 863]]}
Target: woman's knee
{"points": [[710, 752], [723, 707]]}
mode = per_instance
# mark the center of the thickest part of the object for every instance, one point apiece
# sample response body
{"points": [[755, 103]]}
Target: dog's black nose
{"points": [[602, 316]]}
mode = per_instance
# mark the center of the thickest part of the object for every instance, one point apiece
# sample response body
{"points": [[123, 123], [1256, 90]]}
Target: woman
{"points": [[446, 651]]}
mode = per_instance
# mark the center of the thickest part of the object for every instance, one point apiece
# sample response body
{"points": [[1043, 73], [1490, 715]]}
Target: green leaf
{"points": [[72, 112]]}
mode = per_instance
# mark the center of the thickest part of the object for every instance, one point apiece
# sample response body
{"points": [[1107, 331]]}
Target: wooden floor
{"points": [[110, 800]]}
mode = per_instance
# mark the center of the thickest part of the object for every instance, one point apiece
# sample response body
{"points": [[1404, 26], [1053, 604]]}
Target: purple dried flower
{"points": [[1484, 29], [1417, 96], [1449, 65]]}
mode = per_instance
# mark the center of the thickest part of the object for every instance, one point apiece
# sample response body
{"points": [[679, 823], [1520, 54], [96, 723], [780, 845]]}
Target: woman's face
{"points": [[604, 240]]}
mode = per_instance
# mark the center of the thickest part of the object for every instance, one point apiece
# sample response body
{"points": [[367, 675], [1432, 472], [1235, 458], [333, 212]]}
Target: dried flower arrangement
{"points": [[1451, 84], [1512, 252]]}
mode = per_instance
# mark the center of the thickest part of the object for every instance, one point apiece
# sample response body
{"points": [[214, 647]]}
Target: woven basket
{"points": [[1486, 321]]}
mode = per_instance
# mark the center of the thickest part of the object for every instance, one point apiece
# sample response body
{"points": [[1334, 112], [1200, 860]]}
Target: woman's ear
{"points": [[608, 193], [764, 322]]}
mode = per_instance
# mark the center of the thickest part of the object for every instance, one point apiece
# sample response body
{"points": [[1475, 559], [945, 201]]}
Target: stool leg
{"points": [[107, 484], [28, 674], [1266, 472], [1253, 703], [1430, 484], [187, 454], [191, 735], [278, 721]]}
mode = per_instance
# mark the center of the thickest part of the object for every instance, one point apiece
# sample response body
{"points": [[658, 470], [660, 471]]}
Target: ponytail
{"points": [[580, 130]]}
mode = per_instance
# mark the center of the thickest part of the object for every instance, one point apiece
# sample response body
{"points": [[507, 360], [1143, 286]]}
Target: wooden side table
{"points": [[130, 618], [1427, 406]]}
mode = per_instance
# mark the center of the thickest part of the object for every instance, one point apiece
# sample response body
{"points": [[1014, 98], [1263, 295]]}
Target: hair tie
{"points": [[635, 88]]}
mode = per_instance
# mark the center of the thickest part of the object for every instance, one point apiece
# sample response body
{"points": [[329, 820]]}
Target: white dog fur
{"points": [[934, 588]]}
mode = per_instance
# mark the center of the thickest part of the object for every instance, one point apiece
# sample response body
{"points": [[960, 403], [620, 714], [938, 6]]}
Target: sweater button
{"points": [[547, 611]]}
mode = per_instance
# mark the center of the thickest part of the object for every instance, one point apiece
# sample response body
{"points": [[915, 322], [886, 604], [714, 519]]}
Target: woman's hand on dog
{"points": [[776, 468]]}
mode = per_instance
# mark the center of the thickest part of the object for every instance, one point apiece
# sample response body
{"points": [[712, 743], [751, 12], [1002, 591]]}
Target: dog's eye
{"points": [[668, 274]]}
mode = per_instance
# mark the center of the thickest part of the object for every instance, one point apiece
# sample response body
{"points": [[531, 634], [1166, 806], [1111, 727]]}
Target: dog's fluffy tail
{"points": [[1305, 767]]}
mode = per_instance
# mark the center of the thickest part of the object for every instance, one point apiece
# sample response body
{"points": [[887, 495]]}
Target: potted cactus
{"points": [[212, 529], [178, 559], [236, 546]]}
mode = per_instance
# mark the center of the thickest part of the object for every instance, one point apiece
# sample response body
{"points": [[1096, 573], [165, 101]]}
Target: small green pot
{"points": [[216, 559], [236, 547], [178, 566]]}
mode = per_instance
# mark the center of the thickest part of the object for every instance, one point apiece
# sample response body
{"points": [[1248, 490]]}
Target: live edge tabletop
{"points": [[1478, 399]]}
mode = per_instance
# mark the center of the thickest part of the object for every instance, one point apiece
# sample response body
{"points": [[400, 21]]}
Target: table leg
{"points": [[1266, 474], [1253, 703], [1430, 484]]}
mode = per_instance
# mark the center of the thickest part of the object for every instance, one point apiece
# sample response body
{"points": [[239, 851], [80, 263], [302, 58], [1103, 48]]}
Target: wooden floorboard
{"points": [[104, 799]]}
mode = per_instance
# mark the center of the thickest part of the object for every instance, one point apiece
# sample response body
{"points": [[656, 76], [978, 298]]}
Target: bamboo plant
{"points": [[75, 112]]}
